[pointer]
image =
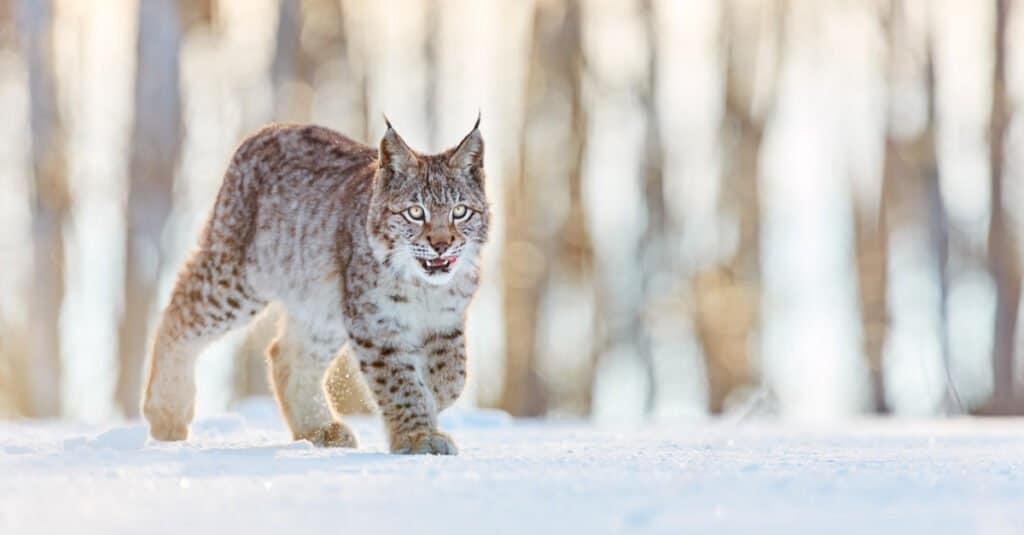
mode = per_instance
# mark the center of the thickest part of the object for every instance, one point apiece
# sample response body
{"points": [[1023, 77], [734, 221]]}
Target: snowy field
{"points": [[239, 473]]}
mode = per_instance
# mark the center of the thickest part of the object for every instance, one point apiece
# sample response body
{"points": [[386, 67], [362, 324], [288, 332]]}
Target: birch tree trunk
{"points": [[873, 228], [652, 250], [310, 34], [914, 219], [1003, 256], [13, 370], [534, 247], [728, 294], [872, 242], [431, 55], [49, 209]]}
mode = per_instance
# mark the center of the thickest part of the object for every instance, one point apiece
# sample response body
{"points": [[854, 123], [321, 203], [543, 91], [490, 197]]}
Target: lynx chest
{"points": [[408, 312]]}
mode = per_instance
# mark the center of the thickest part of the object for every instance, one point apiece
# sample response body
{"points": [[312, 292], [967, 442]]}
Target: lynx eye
{"points": [[414, 213], [460, 212]]}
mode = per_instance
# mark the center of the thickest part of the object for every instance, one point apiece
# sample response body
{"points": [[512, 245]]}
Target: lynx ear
{"points": [[395, 155], [469, 154]]}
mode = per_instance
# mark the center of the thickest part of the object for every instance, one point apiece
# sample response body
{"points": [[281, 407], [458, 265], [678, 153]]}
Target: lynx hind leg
{"points": [[299, 360], [209, 298]]}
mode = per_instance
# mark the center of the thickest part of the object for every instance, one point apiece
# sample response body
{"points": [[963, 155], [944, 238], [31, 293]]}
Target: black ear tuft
{"points": [[395, 155], [469, 154]]}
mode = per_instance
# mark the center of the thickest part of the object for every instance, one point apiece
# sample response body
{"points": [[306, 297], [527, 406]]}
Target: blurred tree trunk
{"points": [[49, 209], [871, 250], [620, 112], [872, 238], [310, 34], [291, 66], [523, 393], [873, 229], [938, 226], [728, 294], [911, 192], [14, 375], [652, 251], [532, 253], [431, 46], [1003, 256], [14, 395], [872, 243], [157, 133]]}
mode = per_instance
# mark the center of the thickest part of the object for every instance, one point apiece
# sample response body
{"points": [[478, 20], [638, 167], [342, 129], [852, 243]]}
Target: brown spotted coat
{"points": [[324, 225]]}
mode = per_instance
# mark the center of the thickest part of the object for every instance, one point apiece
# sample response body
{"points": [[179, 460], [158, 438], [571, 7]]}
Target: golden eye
{"points": [[460, 211], [415, 213]]}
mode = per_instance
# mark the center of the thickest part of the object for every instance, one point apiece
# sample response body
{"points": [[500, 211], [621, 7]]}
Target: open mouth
{"points": [[437, 265]]}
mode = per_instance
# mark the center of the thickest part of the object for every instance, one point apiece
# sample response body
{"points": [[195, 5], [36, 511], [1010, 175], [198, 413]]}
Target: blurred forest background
{"points": [[809, 208]]}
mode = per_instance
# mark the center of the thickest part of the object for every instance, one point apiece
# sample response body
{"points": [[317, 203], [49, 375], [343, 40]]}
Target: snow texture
{"points": [[240, 473]]}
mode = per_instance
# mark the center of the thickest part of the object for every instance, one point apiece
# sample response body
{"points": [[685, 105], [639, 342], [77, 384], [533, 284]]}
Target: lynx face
{"points": [[428, 215]]}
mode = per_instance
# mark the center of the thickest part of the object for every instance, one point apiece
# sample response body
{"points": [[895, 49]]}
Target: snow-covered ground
{"points": [[239, 473]]}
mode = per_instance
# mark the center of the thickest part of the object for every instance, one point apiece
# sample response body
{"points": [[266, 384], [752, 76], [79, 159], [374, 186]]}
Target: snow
{"points": [[240, 473]]}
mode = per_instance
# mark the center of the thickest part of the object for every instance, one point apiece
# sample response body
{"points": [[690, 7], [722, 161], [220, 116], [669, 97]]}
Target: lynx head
{"points": [[428, 214]]}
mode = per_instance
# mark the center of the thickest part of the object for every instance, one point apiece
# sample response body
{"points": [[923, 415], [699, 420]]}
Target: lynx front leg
{"points": [[446, 366], [299, 359], [397, 380]]}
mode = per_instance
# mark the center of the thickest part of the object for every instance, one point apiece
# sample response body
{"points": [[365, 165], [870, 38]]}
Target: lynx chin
{"points": [[374, 256]]}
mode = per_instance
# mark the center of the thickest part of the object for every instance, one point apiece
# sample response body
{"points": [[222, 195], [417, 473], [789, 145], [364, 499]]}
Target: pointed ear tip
{"points": [[391, 135]]}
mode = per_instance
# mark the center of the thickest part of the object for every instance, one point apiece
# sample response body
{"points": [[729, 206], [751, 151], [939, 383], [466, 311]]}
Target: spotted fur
{"points": [[374, 255]]}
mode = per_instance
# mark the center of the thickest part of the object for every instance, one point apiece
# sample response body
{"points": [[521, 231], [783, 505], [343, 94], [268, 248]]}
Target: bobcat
{"points": [[374, 256]]}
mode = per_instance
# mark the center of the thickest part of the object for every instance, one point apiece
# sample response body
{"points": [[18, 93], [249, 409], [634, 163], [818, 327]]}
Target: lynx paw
{"points": [[167, 423], [335, 435], [424, 442]]}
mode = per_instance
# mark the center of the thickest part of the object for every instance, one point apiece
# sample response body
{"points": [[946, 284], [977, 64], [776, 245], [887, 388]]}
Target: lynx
{"points": [[374, 256]]}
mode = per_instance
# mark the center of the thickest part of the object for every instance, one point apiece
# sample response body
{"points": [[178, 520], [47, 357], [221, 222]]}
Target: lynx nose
{"points": [[440, 246]]}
